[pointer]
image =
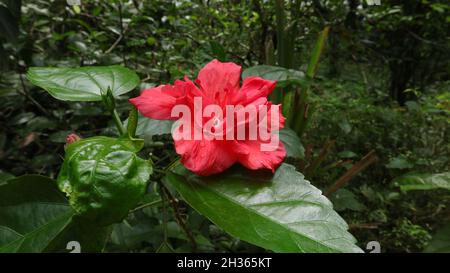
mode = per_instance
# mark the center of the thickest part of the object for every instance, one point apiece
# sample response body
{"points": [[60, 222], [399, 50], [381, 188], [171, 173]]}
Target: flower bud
{"points": [[71, 138], [108, 99]]}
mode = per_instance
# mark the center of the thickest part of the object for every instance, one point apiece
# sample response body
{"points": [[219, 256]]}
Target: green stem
{"points": [[118, 122], [156, 144], [151, 204]]}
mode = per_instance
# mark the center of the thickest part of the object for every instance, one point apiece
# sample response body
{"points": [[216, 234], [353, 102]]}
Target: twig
{"points": [[164, 211], [25, 93], [308, 151], [122, 31], [359, 166], [156, 202], [337, 164], [425, 40], [179, 219], [363, 226], [311, 169], [114, 44]]}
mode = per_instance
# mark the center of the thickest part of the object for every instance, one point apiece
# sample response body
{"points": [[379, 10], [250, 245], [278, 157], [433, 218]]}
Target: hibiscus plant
{"points": [[248, 191]]}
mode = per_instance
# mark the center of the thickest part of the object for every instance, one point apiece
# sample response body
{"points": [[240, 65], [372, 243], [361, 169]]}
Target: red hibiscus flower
{"points": [[219, 84]]}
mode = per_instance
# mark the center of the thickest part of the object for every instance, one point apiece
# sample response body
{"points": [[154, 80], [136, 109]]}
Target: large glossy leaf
{"points": [[292, 144], [440, 242], [104, 178], [281, 212], [84, 83], [424, 181], [282, 75], [32, 213]]}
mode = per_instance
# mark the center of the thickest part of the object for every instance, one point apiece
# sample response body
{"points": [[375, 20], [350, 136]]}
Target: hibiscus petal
{"points": [[256, 87], [205, 157], [257, 159], [216, 77], [157, 102], [268, 117]]}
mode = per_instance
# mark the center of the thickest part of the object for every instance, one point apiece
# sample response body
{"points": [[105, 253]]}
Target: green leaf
{"points": [[440, 242], [292, 144], [399, 163], [165, 248], [282, 75], [5, 176], [90, 236], [317, 52], [347, 154], [132, 122], [32, 213], [147, 127], [131, 236], [411, 182], [344, 199], [345, 126], [104, 178], [282, 212], [83, 83]]}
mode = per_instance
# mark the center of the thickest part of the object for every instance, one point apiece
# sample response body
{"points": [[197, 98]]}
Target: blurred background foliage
{"points": [[382, 86]]}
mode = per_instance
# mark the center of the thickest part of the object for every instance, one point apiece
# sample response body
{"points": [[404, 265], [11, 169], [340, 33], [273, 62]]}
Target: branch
{"points": [[179, 219], [365, 162]]}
